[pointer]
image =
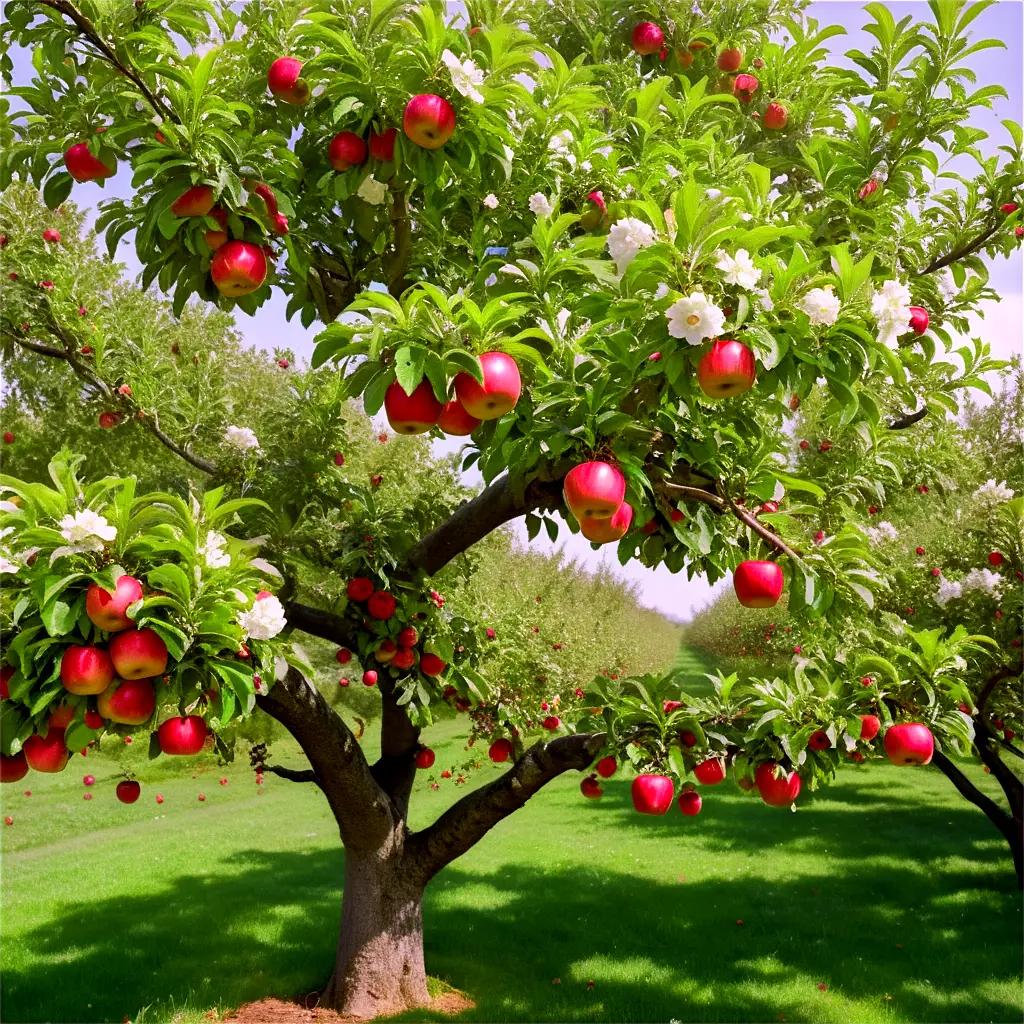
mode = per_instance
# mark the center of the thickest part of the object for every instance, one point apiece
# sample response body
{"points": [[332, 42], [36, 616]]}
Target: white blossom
{"points": [[242, 438], [88, 529], [984, 579], [7, 566], [605, 151], [712, 193], [491, 280], [946, 285], [372, 191], [821, 305], [626, 238], [746, 217], [994, 492], [891, 308], [512, 270], [213, 551], [781, 179], [8, 506], [694, 318], [949, 590], [560, 142], [466, 76], [884, 531], [264, 620], [763, 299], [541, 205], [739, 269], [661, 291], [266, 568], [490, 201], [672, 172]]}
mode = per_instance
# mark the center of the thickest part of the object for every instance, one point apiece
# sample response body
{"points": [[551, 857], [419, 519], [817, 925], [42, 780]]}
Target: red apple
{"points": [[182, 736], [431, 665], [360, 589], [455, 421], [425, 757], [83, 166], [595, 215], [870, 725], [86, 670], [408, 637], [238, 268], [710, 772], [404, 659], [604, 531], [819, 740], [729, 59], [500, 751], [369, 678], [499, 391], [381, 605], [775, 116], [382, 146], [215, 238], [284, 82], [909, 743], [128, 702], [606, 767], [668, 706], [777, 787], [690, 802], [8, 437], [194, 202], [411, 414], [591, 788], [594, 490], [647, 38], [138, 654], [346, 150], [429, 120], [88, 780], [13, 768], [552, 723], [652, 794], [109, 611], [995, 558], [918, 319], [47, 753], [726, 369], [109, 420], [386, 651], [1008, 208], [758, 584], [128, 791], [61, 717], [51, 235]]}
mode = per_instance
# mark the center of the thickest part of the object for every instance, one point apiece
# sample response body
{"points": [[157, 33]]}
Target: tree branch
{"points": [[316, 622], [958, 254], [1003, 672], [908, 419], [967, 789], [469, 820], [292, 774], [402, 233]]}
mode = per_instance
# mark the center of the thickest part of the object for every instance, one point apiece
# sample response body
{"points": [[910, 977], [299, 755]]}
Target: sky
{"points": [[671, 594]]}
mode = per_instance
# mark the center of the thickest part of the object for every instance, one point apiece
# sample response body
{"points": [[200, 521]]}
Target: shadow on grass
{"points": [[938, 944]]}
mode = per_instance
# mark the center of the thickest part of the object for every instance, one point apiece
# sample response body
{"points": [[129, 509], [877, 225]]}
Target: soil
{"points": [[280, 1011]]}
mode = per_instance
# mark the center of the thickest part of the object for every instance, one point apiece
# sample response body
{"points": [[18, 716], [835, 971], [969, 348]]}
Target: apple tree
{"points": [[615, 249]]}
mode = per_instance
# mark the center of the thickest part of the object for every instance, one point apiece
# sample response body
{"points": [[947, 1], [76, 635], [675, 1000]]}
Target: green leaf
{"points": [[56, 190]]}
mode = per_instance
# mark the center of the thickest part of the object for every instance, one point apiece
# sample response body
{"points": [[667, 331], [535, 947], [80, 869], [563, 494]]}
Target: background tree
{"points": [[634, 229]]}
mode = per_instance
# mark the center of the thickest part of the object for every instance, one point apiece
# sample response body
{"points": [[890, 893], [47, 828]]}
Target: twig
{"points": [[958, 254], [908, 419], [292, 774]]}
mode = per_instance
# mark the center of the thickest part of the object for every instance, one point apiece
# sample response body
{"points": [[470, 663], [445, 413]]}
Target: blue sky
{"points": [[673, 594]]}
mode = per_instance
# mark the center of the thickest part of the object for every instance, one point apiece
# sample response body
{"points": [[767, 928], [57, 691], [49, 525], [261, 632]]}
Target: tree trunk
{"points": [[379, 966]]}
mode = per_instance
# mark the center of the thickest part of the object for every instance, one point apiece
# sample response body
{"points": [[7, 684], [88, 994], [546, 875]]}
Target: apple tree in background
{"points": [[613, 246]]}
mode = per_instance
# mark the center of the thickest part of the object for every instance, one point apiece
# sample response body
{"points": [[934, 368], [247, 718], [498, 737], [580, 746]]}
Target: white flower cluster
{"points": [[8, 562], [213, 552], [694, 318], [626, 238], [490, 201], [560, 144], [884, 531], [891, 308], [466, 76], [84, 531], [264, 620], [946, 285], [994, 492], [242, 438], [541, 205], [739, 269], [984, 580], [821, 305]]}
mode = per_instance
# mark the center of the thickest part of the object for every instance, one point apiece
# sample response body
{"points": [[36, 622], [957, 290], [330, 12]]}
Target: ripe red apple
{"points": [[744, 86], [182, 736], [86, 670], [408, 637], [61, 717], [284, 82], [710, 772], [381, 605], [83, 166], [500, 751], [918, 319], [411, 414], [47, 753], [819, 740], [1008, 208], [138, 654], [159, 798], [8, 437], [758, 584], [128, 791], [775, 116], [360, 588], [194, 202], [109, 420], [777, 787], [88, 780], [606, 767], [128, 702], [552, 723], [604, 531], [870, 725], [238, 268], [431, 665], [668, 706], [382, 146], [730, 59], [386, 651], [344, 656], [647, 38], [455, 421], [369, 678], [591, 788], [727, 368], [652, 794], [594, 490], [13, 768], [346, 150], [499, 391], [51, 235], [404, 659], [909, 743], [690, 802], [108, 611], [995, 558], [425, 758], [429, 120], [595, 215]]}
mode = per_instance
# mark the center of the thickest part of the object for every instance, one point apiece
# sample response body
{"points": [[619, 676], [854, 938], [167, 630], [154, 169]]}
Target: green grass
{"points": [[887, 888]]}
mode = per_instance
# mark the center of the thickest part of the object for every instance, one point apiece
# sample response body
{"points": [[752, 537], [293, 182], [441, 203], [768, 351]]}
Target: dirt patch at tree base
{"points": [[280, 1011]]}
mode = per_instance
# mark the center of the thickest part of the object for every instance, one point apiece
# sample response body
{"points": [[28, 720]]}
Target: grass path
{"points": [[886, 889]]}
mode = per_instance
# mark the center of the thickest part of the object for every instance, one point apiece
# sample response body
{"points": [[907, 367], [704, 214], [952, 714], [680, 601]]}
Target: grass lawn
{"points": [[886, 898]]}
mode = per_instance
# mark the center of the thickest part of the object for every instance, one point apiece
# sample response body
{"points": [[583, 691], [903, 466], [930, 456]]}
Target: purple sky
{"points": [[675, 595]]}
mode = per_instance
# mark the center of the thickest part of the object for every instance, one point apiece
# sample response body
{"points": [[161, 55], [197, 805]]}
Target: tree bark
{"points": [[379, 967]]}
